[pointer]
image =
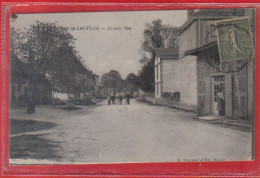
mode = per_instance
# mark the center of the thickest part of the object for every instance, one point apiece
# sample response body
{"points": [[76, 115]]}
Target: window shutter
{"points": [[228, 95]]}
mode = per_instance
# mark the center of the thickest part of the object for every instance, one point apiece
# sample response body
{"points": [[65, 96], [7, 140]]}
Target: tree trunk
{"points": [[53, 101], [31, 104]]}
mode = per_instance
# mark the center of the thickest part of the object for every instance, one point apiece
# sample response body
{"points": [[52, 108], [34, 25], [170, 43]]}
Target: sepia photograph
{"points": [[132, 86]]}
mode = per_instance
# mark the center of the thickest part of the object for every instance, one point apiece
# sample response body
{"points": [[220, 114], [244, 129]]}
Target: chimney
{"points": [[190, 14]]}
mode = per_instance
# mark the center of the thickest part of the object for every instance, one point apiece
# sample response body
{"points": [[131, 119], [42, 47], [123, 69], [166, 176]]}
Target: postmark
{"points": [[234, 39]]}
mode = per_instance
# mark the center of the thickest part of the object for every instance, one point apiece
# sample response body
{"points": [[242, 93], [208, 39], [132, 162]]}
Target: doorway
{"points": [[218, 85]]}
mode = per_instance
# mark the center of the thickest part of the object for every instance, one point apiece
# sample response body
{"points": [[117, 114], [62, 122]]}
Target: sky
{"points": [[101, 48]]}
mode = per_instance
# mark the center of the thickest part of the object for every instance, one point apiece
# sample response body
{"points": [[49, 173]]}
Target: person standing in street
{"points": [[120, 99], [113, 99], [128, 99], [109, 100]]}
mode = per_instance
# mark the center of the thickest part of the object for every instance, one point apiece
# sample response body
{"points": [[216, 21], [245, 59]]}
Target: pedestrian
{"points": [[113, 99], [221, 102], [128, 99], [109, 100], [120, 99]]}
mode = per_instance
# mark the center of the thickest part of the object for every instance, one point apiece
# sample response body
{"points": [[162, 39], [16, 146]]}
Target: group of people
{"points": [[112, 99]]}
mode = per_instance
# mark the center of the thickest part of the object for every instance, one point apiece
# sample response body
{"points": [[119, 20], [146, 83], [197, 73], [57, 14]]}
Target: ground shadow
{"points": [[33, 147], [22, 126]]}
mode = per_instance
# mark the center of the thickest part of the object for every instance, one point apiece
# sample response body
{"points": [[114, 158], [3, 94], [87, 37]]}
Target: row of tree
{"points": [[48, 50], [113, 82], [156, 35]]}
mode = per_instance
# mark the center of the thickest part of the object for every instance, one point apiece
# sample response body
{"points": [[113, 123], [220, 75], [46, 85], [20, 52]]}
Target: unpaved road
{"points": [[138, 132]]}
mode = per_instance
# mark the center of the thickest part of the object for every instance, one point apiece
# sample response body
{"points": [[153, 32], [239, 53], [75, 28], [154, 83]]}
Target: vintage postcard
{"points": [[132, 86]]}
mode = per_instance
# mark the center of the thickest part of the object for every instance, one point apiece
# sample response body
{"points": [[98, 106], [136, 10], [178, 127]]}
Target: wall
{"points": [[187, 39], [61, 96], [158, 78], [159, 101], [180, 76], [242, 85], [170, 75], [19, 96], [204, 32], [188, 80]]}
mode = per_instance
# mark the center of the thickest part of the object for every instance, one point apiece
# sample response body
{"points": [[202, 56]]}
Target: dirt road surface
{"points": [[138, 132]]}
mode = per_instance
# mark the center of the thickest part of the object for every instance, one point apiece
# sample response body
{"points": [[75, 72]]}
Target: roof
{"points": [[222, 12], [18, 69], [212, 14], [201, 48], [167, 52]]}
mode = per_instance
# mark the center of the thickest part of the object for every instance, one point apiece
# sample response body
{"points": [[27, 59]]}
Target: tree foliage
{"points": [[112, 80], [156, 35], [131, 82], [131, 78], [146, 77], [47, 49]]}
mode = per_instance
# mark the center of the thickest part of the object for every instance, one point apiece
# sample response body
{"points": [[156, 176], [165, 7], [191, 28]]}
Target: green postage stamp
{"points": [[234, 39]]}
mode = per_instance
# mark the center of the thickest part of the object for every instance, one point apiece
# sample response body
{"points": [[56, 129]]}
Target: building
{"points": [[82, 96], [177, 80], [237, 86], [199, 29], [164, 67], [23, 84], [19, 85]]}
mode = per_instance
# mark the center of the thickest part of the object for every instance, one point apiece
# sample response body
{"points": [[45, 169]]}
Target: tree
{"points": [[131, 82], [152, 36], [156, 35], [112, 81], [131, 78], [37, 43], [48, 50], [146, 77]]}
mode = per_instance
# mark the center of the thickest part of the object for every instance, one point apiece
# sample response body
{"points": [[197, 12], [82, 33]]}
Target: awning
{"points": [[201, 48]]}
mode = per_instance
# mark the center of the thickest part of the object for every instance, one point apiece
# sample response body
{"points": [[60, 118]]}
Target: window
{"points": [[176, 96], [206, 34], [220, 78], [216, 89], [157, 72], [212, 33]]}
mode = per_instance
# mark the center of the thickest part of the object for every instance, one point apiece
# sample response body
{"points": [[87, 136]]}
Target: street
{"points": [[138, 132]]}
